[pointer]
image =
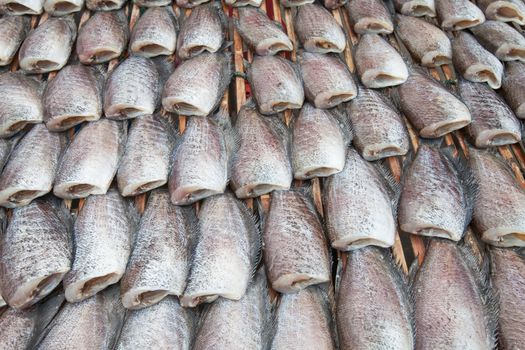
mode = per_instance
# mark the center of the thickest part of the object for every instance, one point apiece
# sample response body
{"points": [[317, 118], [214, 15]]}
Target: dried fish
{"points": [[374, 307], [327, 80], [378, 129], [103, 37], [163, 326], [202, 31], [133, 89], [370, 16], [296, 253], [73, 97], [155, 33], [334, 4], [319, 142], [304, 320], [426, 42], [90, 162], [295, 3], [453, 306], [241, 3], [458, 14], [22, 328], [513, 85], [474, 62], [276, 84], [205, 144], [160, 259], [31, 168], [227, 252], [102, 236], [437, 195], [508, 280], [104, 5], [47, 48], [145, 163], [21, 103], [261, 163], [317, 30], [261, 33], [417, 8], [445, 114], [197, 85], [36, 252], [152, 3], [189, 4], [504, 10], [498, 210], [13, 30], [91, 324], [358, 204], [6, 146], [63, 7], [379, 65], [21, 7], [238, 325], [505, 42], [493, 122]]}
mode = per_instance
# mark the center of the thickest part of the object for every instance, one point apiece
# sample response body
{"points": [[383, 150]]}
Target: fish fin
{"points": [[393, 187], [278, 125], [225, 45], [327, 294], [342, 119], [252, 222], [164, 66], [46, 311], [192, 225]]}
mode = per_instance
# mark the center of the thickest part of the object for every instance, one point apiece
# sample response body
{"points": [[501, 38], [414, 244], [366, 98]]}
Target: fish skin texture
{"points": [[504, 10], [513, 86], [416, 8], [370, 16], [155, 33], [505, 42], [13, 30], [21, 7], [458, 14]]}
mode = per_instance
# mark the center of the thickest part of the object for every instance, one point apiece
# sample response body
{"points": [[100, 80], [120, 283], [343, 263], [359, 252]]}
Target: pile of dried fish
{"points": [[141, 210]]}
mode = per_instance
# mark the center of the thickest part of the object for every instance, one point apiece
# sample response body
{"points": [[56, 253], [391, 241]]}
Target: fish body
{"points": [[370, 16], [153, 3], [190, 4], [202, 30], [164, 326], [378, 64], [458, 14], [327, 80], [493, 121], [334, 4], [416, 8], [276, 84], [474, 62], [31, 169], [155, 33], [104, 5], [63, 7], [513, 85], [226, 253], [453, 309], [358, 206], [505, 42], [21, 104], [21, 7], [48, 46], [238, 325], [508, 281], [90, 324], [22, 328], [317, 30], [197, 85], [295, 249], [374, 307], [261, 33], [103, 37], [13, 30], [426, 42], [72, 97], [499, 205], [91, 160], [446, 114], [261, 163], [304, 320], [296, 3], [436, 198], [319, 143], [102, 236], [133, 89], [378, 129], [504, 10], [145, 163], [160, 259], [204, 145], [241, 3], [36, 252]]}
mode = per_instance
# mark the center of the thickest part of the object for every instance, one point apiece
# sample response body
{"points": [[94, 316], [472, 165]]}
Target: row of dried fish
{"points": [[373, 307]]}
